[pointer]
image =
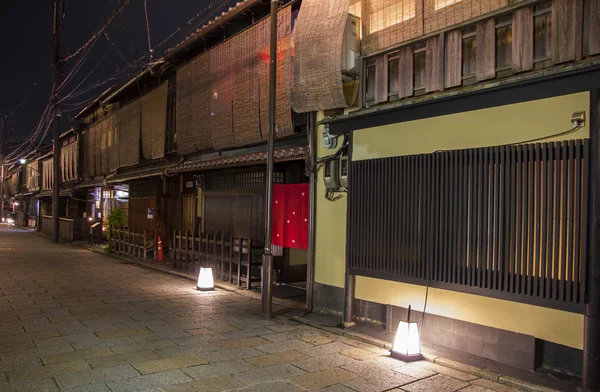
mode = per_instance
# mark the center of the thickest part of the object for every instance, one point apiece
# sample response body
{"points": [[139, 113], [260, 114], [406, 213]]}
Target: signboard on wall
{"points": [[150, 213]]}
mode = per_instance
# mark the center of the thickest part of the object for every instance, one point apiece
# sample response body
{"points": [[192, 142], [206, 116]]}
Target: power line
{"points": [[148, 28], [26, 96], [99, 32]]}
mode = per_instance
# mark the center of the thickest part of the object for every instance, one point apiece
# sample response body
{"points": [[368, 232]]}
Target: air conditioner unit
{"points": [[351, 45]]}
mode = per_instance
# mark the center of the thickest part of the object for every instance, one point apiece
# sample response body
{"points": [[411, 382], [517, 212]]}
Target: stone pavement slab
{"points": [[81, 321]]}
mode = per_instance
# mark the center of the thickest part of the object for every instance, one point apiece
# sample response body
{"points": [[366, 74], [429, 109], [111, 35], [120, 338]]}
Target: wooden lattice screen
{"points": [[154, 121], [507, 222]]}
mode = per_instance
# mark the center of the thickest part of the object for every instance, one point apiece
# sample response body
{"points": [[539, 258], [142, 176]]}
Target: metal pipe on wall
{"points": [[350, 282], [591, 329], [310, 270]]}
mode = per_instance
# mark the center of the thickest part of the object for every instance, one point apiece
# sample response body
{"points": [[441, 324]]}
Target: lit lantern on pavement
{"points": [[205, 279], [407, 346]]}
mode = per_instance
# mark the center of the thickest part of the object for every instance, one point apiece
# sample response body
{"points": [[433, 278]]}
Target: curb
{"points": [[482, 373]]}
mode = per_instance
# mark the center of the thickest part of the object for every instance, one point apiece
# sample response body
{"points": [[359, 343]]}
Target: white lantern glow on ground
{"points": [[407, 346], [206, 281]]}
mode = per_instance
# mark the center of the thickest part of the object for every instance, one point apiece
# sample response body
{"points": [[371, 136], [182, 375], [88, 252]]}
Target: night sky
{"points": [[26, 48]]}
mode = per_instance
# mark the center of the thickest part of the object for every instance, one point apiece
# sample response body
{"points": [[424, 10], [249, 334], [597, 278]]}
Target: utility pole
{"points": [[267, 278], [57, 65], [3, 137]]}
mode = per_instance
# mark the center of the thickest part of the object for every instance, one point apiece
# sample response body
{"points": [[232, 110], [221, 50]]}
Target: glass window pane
{"points": [[469, 56], [370, 83], [503, 46], [419, 71], [394, 76], [542, 35]]}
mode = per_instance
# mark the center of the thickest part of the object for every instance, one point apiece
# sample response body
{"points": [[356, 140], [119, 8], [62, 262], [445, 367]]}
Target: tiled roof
{"points": [[237, 160], [210, 24]]}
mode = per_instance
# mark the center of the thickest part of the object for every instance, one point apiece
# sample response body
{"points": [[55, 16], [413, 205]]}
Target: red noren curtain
{"points": [[290, 215]]}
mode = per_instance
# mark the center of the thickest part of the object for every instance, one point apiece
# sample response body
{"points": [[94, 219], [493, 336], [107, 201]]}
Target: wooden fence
{"points": [[65, 233], [232, 259], [137, 244]]}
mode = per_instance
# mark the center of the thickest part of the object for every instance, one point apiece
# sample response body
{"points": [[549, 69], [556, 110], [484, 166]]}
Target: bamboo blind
{"points": [[113, 144], [90, 151], [390, 22], [32, 175], [221, 120], [314, 61], [47, 174], [68, 162], [105, 126], [154, 121], [283, 115], [443, 13], [246, 105], [128, 124], [184, 108]]}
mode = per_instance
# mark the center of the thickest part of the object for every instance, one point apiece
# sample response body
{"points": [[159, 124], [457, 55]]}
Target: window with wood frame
{"points": [[469, 54], [504, 45], [542, 39], [419, 60]]}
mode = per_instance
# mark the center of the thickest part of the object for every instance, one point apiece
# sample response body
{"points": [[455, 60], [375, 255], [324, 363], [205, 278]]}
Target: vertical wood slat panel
{"points": [[381, 78], [453, 60], [567, 22], [486, 50], [495, 219], [593, 29], [406, 70], [522, 40], [433, 64]]}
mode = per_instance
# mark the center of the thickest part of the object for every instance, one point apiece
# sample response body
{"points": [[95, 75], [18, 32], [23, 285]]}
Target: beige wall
{"points": [[495, 126], [298, 256]]}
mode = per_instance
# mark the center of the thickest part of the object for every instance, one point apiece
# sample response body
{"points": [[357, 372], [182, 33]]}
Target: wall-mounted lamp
{"points": [[407, 345], [206, 281], [22, 161]]}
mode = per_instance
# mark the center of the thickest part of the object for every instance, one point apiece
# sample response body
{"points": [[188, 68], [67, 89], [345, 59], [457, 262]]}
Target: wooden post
{"points": [[144, 244], [214, 258], [239, 266], [249, 268], [230, 258], [222, 257]]}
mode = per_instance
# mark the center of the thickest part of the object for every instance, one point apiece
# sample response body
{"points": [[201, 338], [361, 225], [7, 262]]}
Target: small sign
{"points": [[189, 184], [150, 213], [85, 214]]}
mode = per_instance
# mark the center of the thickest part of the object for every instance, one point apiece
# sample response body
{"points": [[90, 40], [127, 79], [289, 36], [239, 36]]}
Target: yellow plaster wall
{"points": [[298, 256], [494, 126], [330, 241], [543, 323], [479, 128]]}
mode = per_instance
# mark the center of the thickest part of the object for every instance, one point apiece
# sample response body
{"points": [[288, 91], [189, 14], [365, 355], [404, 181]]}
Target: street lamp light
{"points": [[22, 161]]}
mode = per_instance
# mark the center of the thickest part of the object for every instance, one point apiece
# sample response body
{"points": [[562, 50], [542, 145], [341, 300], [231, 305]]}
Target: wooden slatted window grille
{"points": [[506, 222]]}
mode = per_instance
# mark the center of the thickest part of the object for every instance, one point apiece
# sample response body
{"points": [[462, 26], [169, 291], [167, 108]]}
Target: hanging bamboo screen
{"points": [[90, 151], [283, 117], [104, 145], [128, 127], [443, 13], [154, 121], [390, 22], [246, 105], [222, 70], [194, 106], [47, 174], [314, 61], [113, 144]]}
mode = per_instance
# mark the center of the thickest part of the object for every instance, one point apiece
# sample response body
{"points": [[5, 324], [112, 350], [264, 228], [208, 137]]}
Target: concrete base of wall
{"points": [[506, 347]]}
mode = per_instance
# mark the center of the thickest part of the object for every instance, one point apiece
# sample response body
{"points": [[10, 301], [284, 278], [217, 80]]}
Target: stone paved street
{"points": [[76, 320]]}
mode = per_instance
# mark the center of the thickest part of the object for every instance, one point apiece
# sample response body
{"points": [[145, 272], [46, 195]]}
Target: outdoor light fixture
{"points": [[407, 346], [205, 279], [22, 161]]}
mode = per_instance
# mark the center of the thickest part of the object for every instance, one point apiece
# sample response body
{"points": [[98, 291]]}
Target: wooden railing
{"points": [[232, 259], [65, 230], [137, 244]]}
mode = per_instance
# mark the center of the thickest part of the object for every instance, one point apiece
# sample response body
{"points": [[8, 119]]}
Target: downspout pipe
{"points": [[310, 270], [591, 329], [350, 280]]}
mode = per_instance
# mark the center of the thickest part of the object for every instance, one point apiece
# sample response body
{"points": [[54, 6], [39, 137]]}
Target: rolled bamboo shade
{"points": [[223, 72], [90, 151], [314, 61], [47, 174], [113, 144], [154, 121], [128, 123]]}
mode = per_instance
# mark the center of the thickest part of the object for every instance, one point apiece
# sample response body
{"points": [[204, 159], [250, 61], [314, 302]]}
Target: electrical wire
{"points": [[99, 32], [148, 29], [27, 95]]}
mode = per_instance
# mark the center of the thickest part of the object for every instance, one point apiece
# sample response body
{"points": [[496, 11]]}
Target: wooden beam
{"points": [[453, 67], [486, 50], [522, 40]]}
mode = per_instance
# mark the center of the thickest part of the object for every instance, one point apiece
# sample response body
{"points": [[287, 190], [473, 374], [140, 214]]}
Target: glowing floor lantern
{"points": [[407, 346], [205, 279]]}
